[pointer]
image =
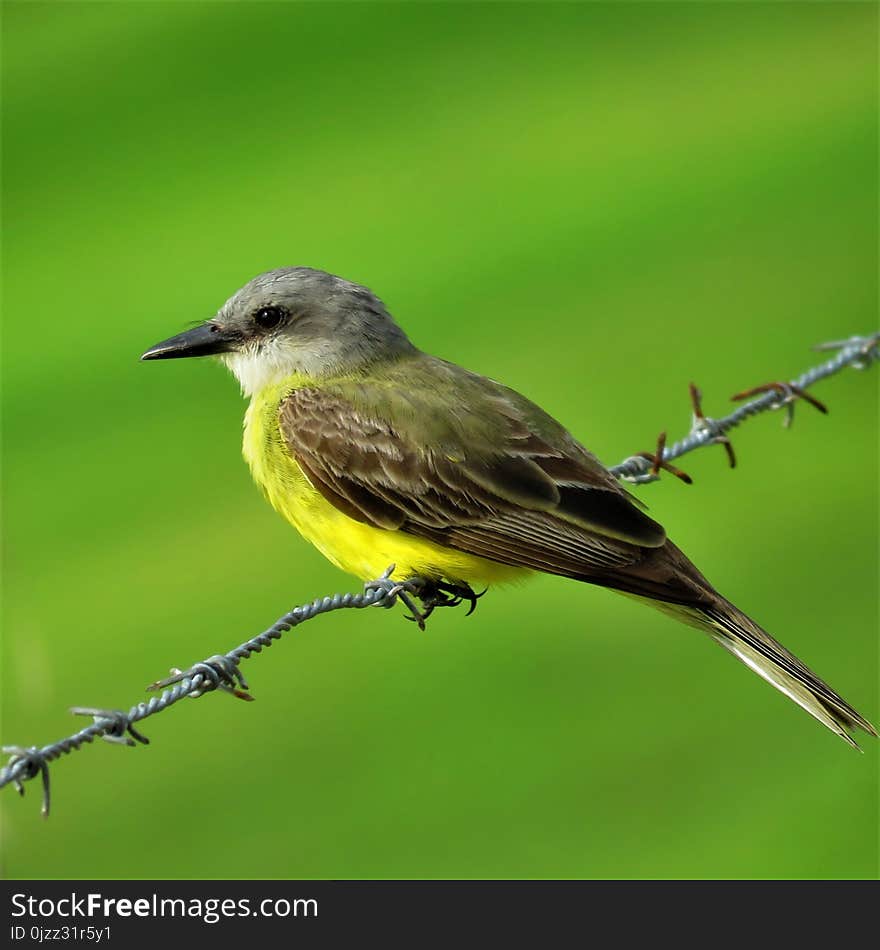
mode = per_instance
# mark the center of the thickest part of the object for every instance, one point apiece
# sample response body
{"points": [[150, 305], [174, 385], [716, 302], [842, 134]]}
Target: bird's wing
{"points": [[498, 479]]}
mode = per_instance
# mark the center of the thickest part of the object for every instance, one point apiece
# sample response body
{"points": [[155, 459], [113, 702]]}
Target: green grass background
{"points": [[594, 203]]}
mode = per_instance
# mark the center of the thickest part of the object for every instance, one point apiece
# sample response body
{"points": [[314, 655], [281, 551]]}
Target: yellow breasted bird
{"points": [[381, 454]]}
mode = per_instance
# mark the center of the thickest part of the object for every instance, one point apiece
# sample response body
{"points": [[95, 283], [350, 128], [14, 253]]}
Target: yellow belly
{"points": [[356, 548]]}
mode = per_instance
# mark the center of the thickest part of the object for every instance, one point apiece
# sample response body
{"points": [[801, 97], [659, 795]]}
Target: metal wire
{"points": [[217, 672], [858, 352], [222, 670]]}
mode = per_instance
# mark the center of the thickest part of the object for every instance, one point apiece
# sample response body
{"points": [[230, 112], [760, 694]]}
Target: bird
{"points": [[381, 454]]}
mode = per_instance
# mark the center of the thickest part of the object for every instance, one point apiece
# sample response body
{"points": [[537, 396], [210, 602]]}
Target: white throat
{"points": [[275, 360], [256, 370]]}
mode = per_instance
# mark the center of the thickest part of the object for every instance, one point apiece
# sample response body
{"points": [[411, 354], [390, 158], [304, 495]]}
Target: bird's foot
{"points": [[441, 594], [431, 594]]}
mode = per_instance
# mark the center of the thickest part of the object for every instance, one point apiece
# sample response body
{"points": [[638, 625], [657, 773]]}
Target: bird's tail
{"points": [[741, 636]]}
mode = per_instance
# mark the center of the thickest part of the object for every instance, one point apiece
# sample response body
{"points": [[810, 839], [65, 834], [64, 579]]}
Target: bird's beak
{"points": [[208, 339]]}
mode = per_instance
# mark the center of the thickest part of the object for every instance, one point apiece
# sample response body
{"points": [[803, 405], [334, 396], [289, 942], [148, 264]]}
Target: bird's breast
{"points": [[357, 548], [274, 469]]}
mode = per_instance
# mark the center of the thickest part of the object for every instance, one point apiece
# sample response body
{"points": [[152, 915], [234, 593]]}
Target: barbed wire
{"points": [[857, 352], [222, 671]]}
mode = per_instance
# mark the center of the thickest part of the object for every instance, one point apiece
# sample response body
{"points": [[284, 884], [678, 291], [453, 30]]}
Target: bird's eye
{"points": [[269, 317]]}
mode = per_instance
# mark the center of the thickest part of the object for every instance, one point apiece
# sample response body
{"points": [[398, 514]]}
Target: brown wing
{"points": [[494, 488]]}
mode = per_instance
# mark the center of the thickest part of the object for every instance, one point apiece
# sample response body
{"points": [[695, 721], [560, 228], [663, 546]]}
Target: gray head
{"points": [[292, 320]]}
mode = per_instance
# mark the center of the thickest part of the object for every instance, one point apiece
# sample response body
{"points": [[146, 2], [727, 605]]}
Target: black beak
{"points": [[209, 339]]}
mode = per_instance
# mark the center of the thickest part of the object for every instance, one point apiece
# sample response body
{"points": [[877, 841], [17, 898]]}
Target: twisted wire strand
{"points": [[217, 672], [222, 670]]}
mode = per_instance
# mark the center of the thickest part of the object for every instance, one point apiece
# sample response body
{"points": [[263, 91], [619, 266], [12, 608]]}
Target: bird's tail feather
{"points": [[748, 642]]}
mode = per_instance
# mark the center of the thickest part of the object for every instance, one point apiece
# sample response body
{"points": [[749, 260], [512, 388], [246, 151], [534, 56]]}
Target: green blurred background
{"points": [[593, 203]]}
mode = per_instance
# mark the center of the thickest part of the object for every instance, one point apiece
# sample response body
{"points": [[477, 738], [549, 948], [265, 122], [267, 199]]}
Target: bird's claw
{"points": [[431, 593], [441, 594], [461, 593]]}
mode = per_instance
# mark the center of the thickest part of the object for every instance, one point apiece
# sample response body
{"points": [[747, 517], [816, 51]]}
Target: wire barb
{"points": [[405, 591], [26, 764], [702, 424], [120, 731], [868, 349], [657, 459], [787, 393], [221, 671], [217, 672]]}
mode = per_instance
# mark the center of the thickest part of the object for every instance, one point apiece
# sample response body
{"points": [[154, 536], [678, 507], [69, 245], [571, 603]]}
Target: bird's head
{"points": [[292, 320]]}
